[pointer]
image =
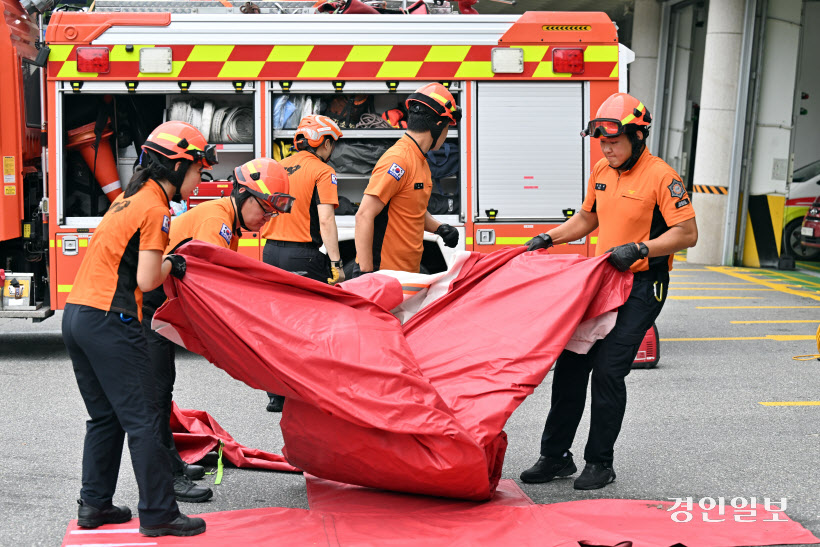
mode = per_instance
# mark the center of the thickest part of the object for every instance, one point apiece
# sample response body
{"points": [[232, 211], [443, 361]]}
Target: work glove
{"points": [[337, 274], [624, 256], [541, 241], [448, 234], [178, 265]]}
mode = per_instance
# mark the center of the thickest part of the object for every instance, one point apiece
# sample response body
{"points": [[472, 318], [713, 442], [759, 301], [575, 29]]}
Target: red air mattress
{"points": [[414, 408]]}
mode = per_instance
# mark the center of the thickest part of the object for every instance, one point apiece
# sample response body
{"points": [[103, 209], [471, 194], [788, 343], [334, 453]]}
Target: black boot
{"points": [[549, 468], [595, 476], [193, 472], [91, 517], [186, 490], [276, 404], [180, 526]]}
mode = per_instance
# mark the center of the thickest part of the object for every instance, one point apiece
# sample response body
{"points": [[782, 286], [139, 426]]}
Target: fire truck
{"points": [[81, 93]]}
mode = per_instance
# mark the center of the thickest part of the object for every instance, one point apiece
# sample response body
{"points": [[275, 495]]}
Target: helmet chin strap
{"points": [[638, 146], [436, 127], [239, 199]]}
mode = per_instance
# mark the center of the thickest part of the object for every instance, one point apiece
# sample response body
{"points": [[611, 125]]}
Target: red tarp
{"points": [[344, 515], [196, 433], [416, 408]]}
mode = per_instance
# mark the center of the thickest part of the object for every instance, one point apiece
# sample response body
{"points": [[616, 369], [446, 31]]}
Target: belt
{"points": [[304, 244]]}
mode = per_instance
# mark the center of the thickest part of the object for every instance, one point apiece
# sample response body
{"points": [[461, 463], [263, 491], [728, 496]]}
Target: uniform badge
{"points": [[682, 203], [418, 186], [677, 189], [334, 180], [166, 224], [600, 187], [395, 171], [226, 233]]}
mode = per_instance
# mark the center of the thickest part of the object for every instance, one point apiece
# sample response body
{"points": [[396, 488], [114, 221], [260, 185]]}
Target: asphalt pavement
{"points": [[728, 412]]}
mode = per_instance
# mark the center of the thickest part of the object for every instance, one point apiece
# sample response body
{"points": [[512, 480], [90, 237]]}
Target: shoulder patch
{"points": [[396, 171], [677, 189], [333, 179], [226, 233], [600, 187], [166, 224], [682, 203]]}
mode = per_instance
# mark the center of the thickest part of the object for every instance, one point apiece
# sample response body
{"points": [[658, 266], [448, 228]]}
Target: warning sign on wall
{"points": [[8, 169]]}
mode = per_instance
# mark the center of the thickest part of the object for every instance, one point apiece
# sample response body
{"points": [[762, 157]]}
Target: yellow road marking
{"points": [[705, 283], [713, 289], [756, 307], [809, 266], [691, 270], [777, 321], [711, 297], [791, 403], [765, 283], [776, 337]]}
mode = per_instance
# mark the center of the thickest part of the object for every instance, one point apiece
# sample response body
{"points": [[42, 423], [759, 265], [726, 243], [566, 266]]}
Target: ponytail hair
{"points": [[157, 167]]}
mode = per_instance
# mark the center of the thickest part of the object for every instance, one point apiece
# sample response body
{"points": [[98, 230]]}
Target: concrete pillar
{"points": [[721, 64], [643, 70]]}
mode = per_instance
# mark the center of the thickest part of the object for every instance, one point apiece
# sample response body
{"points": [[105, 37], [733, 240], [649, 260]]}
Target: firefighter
{"points": [[260, 192], [106, 343], [293, 241], [645, 216], [393, 217]]}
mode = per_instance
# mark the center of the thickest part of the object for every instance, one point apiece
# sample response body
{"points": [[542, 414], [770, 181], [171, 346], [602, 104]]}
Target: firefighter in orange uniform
{"points": [[393, 217], [293, 241], [260, 192], [644, 215], [106, 343]]}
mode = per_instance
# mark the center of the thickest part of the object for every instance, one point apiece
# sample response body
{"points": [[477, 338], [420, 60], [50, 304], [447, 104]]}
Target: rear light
{"points": [[92, 59], [568, 61]]}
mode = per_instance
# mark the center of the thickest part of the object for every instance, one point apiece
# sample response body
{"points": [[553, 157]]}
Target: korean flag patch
{"points": [[395, 171], [677, 189], [166, 224], [226, 233], [334, 180]]}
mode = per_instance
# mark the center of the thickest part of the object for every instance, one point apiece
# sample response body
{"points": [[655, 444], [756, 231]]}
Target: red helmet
{"points": [[616, 114], [181, 141], [437, 98], [265, 179], [312, 131]]}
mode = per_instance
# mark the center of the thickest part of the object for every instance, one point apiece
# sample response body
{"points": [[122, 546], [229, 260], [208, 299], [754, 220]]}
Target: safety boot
{"points": [[187, 490], [180, 526], [595, 476], [549, 468], [91, 517], [193, 472]]}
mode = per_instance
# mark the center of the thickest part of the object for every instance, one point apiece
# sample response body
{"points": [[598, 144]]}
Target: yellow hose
{"points": [[810, 357]]}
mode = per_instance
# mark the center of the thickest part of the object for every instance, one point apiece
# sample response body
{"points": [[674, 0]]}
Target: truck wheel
{"points": [[791, 242]]}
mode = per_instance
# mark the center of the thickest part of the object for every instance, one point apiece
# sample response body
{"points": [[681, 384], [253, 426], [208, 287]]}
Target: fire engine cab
{"points": [[77, 105]]}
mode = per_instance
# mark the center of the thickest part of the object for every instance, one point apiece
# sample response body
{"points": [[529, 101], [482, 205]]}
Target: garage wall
{"points": [[807, 129]]}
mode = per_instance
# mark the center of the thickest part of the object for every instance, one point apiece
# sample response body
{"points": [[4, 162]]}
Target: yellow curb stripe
{"points": [[765, 283], [791, 403], [775, 337]]}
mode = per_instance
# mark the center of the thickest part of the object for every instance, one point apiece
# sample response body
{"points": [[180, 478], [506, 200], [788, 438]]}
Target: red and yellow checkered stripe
{"points": [[283, 62]]}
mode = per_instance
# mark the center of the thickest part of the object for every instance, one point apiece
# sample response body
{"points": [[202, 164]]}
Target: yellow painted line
{"points": [[756, 307], [691, 270], [809, 266], [765, 283], [777, 321], [714, 289], [791, 403], [775, 337], [711, 297]]}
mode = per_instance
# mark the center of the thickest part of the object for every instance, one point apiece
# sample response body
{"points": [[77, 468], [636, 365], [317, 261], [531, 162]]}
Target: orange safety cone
{"points": [[105, 171]]}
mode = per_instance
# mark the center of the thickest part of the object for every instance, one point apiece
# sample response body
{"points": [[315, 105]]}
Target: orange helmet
{"points": [[181, 141], [616, 114], [265, 179], [312, 131], [437, 98]]}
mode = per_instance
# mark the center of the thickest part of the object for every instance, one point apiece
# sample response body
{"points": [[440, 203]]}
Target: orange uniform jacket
{"points": [[638, 205], [107, 279], [312, 183], [401, 180], [211, 222]]}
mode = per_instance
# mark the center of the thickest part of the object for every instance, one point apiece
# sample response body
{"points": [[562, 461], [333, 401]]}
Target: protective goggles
{"points": [[207, 156], [280, 203], [603, 127]]}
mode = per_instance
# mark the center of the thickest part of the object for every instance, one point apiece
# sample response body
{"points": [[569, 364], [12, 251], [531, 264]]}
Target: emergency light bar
{"points": [[565, 60], [93, 59]]}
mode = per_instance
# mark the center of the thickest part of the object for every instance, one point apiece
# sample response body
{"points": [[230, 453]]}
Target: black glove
{"points": [[541, 241], [357, 272], [178, 265], [624, 256], [448, 234]]}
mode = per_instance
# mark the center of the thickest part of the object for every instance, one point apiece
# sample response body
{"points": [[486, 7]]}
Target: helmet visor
{"points": [[207, 157], [281, 202], [604, 127]]}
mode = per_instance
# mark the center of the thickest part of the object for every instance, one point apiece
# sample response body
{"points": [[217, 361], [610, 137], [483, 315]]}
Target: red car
{"points": [[810, 231]]}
